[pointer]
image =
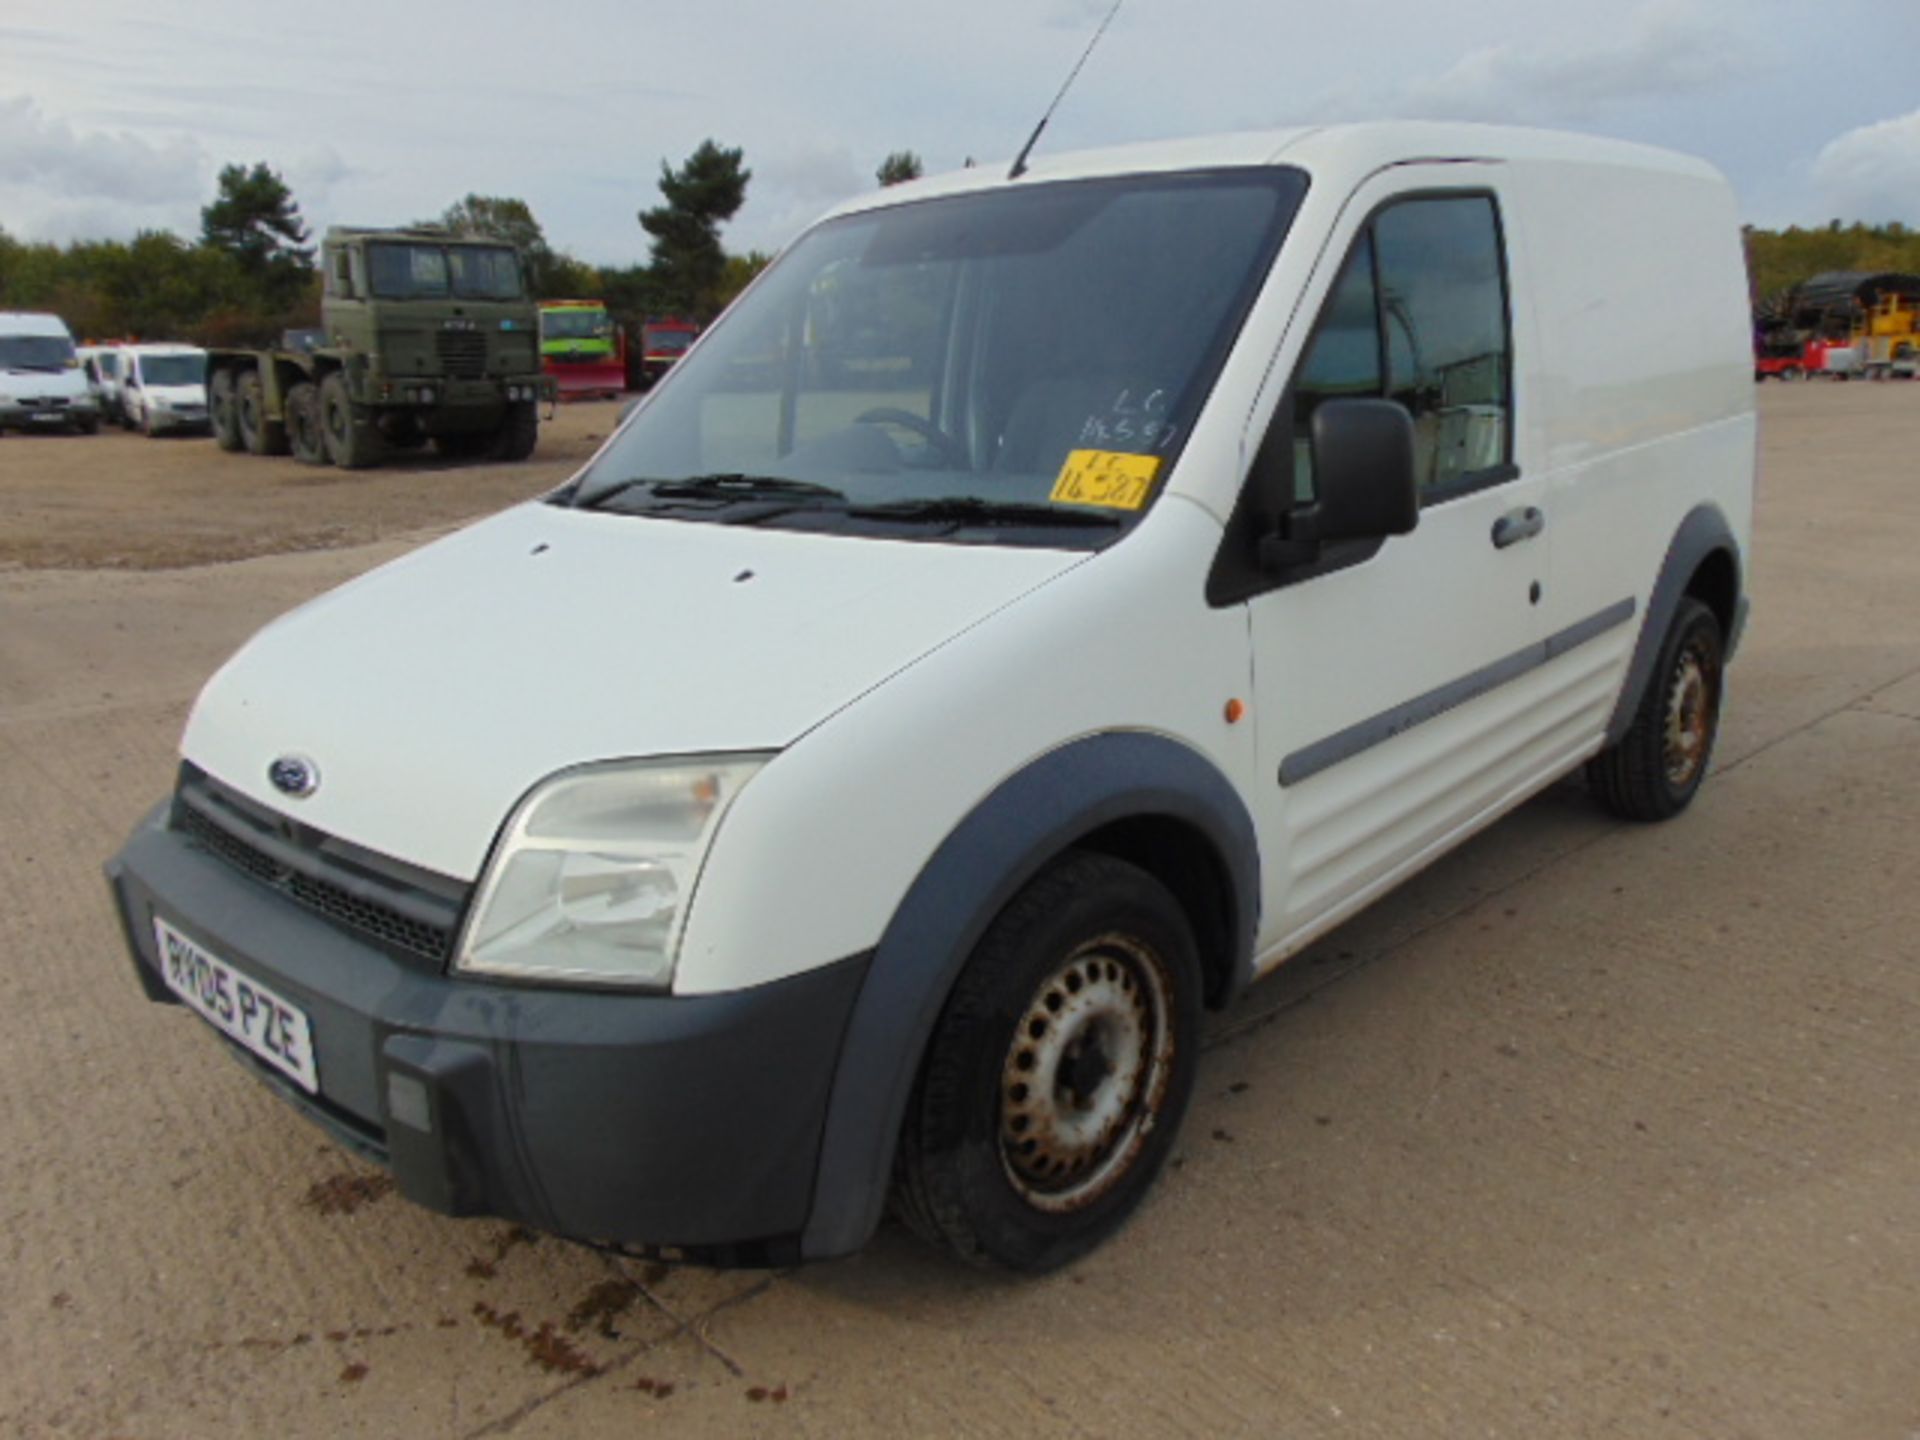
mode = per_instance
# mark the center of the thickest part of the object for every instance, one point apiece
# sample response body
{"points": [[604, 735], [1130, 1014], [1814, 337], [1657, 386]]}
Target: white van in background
{"points": [[1042, 604], [163, 387], [102, 365], [41, 384]]}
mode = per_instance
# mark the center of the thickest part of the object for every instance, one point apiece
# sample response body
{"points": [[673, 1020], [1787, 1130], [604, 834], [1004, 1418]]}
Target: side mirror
{"points": [[1363, 469], [1363, 482]]}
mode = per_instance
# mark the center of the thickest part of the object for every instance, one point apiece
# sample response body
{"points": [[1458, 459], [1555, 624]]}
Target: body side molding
{"points": [[1324, 754]]}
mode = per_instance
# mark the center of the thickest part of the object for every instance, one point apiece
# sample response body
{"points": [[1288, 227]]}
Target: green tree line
{"points": [[250, 273], [1778, 260]]}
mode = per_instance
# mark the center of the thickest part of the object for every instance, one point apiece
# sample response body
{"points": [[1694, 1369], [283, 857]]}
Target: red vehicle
{"points": [[662, 342]]}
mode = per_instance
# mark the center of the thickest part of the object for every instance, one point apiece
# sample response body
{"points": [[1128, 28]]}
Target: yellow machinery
{"points": [[1886, 334]]}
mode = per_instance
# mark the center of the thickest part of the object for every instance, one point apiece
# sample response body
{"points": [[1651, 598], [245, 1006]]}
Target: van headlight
{"points": [[593, 875]]}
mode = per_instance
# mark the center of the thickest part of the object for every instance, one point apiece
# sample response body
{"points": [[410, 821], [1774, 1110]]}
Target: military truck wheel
{"points": [[352, 442], [303, 424], [518, 433], [260, 435], [220, 410]]}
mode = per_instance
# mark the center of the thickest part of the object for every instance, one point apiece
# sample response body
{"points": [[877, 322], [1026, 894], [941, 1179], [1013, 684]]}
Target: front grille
{"points": [[463, 353], [410, 913]]}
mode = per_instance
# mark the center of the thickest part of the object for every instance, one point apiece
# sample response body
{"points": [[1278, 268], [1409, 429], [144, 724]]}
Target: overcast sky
{"points": [[116, 116]]}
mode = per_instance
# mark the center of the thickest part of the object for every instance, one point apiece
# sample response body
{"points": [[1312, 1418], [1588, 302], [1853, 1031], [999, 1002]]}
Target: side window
{"points": [[1443, 298], [1419, 315]]}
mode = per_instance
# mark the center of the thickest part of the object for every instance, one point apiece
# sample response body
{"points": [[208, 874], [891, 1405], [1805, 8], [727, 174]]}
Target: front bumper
{"points": [[197, 419], [685, 1122], [24, 413]]}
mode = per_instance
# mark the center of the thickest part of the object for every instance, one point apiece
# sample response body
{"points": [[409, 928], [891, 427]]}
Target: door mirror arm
{"points": [[1293, 541]]}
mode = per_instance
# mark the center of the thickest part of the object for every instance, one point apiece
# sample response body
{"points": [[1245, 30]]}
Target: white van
{"points": [[41, 385], [1035, 610], [101, 365], [164, 387]]}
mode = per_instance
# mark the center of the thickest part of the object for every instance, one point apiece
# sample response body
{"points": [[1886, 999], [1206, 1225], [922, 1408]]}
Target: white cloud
{"points": [[1660, 50], [54, 157], [793, 186], [1873, 172]]}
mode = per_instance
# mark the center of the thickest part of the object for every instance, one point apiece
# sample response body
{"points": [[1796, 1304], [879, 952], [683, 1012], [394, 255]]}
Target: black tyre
{"points": [[351, 440], [518, 433], [222, 411], [259, 435], [1656, 768], [1057, 1074], [303, 424], [87, 425]]}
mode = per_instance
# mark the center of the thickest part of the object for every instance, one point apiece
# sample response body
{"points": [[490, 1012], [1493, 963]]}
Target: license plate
{"points": [[238, 1007], [47, 417]]}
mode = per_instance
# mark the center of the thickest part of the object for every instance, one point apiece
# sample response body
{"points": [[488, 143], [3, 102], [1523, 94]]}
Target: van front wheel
{"points": [[1657, 766], [1058, 1072]]}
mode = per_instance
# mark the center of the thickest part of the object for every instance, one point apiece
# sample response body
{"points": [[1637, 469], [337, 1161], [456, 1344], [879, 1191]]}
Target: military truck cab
{"points": [[427, 336]]}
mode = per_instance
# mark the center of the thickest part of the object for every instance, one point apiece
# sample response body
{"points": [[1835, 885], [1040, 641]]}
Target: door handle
{"points": [[1517, 525]]}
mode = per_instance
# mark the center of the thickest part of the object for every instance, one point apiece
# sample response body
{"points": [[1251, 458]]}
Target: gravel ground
{"points": [[1590, 1130]]}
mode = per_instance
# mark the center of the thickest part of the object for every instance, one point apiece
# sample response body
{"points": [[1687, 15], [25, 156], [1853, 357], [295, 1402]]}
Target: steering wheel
{"points": [[948, 450]]}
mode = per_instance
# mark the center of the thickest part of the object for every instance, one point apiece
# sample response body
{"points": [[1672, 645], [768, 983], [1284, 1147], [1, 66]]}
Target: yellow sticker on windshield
{"points": [[1111, 479]]}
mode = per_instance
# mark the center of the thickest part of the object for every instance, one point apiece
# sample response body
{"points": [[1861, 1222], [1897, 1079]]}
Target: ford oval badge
{"points": [[294, 775]]}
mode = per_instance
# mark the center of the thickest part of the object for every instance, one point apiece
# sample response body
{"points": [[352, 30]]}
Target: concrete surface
{"points": [[1590, 1130]]}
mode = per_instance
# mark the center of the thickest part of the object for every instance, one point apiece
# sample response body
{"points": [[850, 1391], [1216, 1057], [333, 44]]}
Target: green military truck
{"points": [[425, 336]]}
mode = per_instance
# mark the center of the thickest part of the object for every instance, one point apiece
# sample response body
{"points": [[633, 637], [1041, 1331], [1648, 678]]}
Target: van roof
{"points": [[161, 347], [1340, 152], [32, 322]]}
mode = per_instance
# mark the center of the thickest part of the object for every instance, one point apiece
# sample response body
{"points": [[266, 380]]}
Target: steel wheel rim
{"points": [[1086, 1074], [1689, 718]]}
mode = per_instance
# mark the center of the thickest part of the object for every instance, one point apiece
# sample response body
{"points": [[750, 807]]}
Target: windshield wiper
{"points": [[733, 485], [730, 485], [972, 509]]}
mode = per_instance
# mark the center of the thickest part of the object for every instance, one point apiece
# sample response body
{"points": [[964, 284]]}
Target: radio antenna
{"points": [[1020, 161]]}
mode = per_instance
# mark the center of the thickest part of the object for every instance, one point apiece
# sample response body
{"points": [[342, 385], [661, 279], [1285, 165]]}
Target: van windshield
{"points": [[35, 352], [1018, 366], [174, 369]]}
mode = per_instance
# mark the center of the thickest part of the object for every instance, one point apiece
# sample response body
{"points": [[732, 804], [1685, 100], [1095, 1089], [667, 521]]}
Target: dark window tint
{"points": [[1344, 358], [1419, 315]]}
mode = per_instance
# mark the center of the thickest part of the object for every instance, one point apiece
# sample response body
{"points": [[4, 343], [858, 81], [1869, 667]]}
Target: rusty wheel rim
{"points": [[1689, 718], [1086, 1074]]}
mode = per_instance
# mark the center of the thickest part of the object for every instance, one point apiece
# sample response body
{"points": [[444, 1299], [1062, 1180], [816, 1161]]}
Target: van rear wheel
{"points": [[1655, 769], [1054, 1084]]}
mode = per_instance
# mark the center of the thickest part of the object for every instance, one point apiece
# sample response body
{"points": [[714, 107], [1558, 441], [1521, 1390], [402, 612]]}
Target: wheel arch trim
{"points": [[1026, 821], [1701, 535]]}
